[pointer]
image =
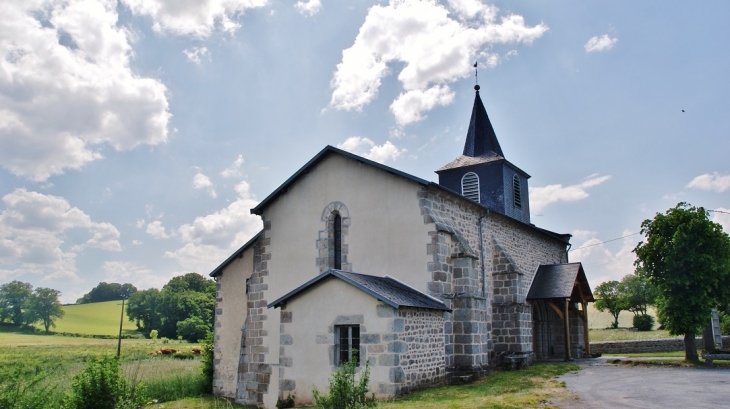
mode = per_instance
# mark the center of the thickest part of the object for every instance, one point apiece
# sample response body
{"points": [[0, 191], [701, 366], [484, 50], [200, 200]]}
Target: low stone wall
{"points": [[647, 345]]}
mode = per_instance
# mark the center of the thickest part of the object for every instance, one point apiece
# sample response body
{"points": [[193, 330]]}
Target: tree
{"points": [[142, 307], [687, 257], [44, 306], [638, 293], [13, 296], [107, 292], [608, 298]]}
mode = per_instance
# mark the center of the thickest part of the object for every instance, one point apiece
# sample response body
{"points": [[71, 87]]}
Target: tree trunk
{"points": [[615, 321], [690, 350]]}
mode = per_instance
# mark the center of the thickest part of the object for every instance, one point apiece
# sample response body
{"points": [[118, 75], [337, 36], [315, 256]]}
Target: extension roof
{"points": [[566, 280], [385, 289]]}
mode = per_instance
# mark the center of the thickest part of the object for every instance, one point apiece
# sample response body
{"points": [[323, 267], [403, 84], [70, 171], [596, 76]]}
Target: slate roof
{"points": [[560, 281], [385, 289], [238, 253], [481, 139]]}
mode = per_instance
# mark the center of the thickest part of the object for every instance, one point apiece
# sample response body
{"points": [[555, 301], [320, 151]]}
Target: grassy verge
{"points": [[621, 334], [203, 402], [530, 388]]}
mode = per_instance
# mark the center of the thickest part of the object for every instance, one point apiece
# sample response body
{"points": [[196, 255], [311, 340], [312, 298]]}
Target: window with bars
{"points": [[517, 194], [470, 186], [347, 338]]}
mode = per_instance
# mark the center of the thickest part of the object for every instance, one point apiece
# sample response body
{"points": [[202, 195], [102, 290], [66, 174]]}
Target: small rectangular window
{"points": [[347, 338]]}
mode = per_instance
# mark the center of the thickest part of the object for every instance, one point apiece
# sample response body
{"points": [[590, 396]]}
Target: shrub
{"points": [[345, 392], [285, 403], [208, 367], [643, 322], [101, 386], [184, 355], [153, 334]]}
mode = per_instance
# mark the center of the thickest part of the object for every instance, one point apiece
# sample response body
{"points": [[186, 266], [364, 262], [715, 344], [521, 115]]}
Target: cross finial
{"points": [[476, 75]]}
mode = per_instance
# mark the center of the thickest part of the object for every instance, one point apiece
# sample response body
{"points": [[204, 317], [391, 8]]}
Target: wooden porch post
{"points": [[586, 341], [566, 320]]}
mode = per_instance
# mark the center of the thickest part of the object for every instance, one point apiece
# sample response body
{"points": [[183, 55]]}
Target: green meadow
{"points": [[101, 318]]}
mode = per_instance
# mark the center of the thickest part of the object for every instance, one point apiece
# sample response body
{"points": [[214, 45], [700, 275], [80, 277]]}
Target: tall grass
{"points": [[168, 379]]}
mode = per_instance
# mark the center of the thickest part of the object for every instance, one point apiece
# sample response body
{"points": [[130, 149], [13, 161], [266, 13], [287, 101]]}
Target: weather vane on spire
{"points": [[476, 76]]}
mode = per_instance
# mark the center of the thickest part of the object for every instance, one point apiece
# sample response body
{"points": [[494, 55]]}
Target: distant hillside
{"points": [[602, 320], [101, 318]]}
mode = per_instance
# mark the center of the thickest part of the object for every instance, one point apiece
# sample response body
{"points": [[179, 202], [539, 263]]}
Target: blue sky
{"points": [[135, 135]]}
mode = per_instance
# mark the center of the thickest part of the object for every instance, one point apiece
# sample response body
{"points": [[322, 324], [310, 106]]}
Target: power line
{"points": [[607, 241]]}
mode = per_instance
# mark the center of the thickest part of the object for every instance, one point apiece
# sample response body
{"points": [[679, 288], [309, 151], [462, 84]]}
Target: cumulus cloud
{"points": [[129, 272], [721, 215], [714, 182], [66, 87], [603, 263], [34, 236], [211, 238], [197, 18], [602, 43], [436, 45], [234, 170], [157, 230], [543, 196], [368, 149], [197, 54], [308, 8], [200, 181]]}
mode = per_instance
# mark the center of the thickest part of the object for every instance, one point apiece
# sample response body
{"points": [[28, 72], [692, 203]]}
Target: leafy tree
{"points": [[175, 307], [609, 298], [687, 257], [13, 296], [107, 292], [44, 306], [142, 307], [192, 329], [638, 293]]}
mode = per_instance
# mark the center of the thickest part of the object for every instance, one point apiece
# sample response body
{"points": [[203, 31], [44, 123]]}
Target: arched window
{"points": [[332, 247], [517, 194], [337, 248], [470, 186]]}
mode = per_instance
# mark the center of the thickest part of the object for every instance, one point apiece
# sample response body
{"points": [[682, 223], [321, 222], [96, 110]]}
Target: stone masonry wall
{"points": [[647, 345], [424, 362], [254, 374]]}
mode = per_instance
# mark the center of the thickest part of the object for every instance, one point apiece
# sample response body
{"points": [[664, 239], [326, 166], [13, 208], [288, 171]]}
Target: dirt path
{"points": [[601, 385]]}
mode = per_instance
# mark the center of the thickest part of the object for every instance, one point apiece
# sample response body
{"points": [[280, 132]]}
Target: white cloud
{"points": [[210, 239], [408, 107], [200, 181], [600, 263], [437, 45], [197, 54], [543, 196], [308, 8], [67, 87], [157, 230], [602, 43], [368, 149], [722, 216], [140, 277], [197, 18], [715, 182], [234, 170], [34, 236], [136, 243]]}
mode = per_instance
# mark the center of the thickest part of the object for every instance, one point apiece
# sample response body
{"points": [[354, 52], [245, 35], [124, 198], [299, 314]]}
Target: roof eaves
{"points": [[319, 157], [218, 270]]}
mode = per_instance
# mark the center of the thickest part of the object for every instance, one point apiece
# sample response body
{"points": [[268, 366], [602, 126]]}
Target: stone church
{"points": [[429, 282]]}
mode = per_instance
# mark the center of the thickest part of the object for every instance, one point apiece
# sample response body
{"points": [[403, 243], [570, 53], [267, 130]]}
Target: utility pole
{"points": [[121, 321]]}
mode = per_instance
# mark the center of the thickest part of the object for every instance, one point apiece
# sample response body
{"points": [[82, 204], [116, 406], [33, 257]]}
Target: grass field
{"points": [[101, 318]]}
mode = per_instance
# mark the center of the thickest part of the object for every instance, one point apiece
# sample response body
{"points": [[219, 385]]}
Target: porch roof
{"points": [[567, 280]]}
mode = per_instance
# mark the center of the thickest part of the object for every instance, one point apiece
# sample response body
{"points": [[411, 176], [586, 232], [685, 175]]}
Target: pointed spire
{"points": [[481, 139]]}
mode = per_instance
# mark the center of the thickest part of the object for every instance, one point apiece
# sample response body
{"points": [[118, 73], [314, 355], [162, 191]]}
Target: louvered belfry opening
{"points": [[516, 190], [470, 186]]}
